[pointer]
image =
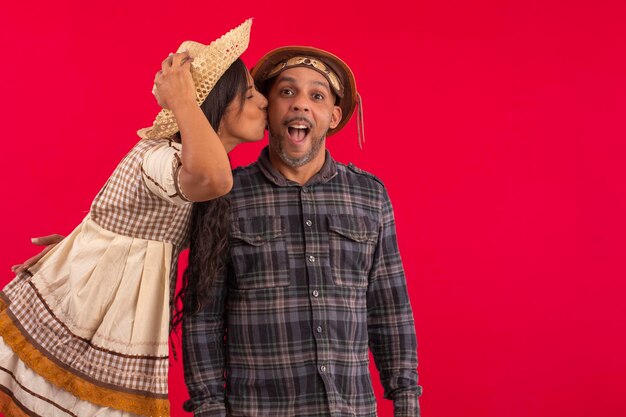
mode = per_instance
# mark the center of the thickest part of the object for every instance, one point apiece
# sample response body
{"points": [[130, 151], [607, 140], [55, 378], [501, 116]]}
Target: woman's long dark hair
{"points": [[208, 245]]}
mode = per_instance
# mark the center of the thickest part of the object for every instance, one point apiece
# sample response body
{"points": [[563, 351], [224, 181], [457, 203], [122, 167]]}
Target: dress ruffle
{"points": [[92, 319]]}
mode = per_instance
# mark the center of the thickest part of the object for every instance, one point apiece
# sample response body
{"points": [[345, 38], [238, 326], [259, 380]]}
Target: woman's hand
{"points": [[49, 242], [173, 84]]}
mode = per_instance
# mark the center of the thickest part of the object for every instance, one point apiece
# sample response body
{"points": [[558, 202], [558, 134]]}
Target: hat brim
{"points": [[347, 103]]}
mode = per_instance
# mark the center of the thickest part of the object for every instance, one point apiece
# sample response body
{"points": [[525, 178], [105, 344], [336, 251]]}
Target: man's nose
{"points": [[300, 103]]}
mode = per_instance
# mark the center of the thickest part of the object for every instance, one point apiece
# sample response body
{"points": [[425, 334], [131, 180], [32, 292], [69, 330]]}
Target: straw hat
{"points": [[337, 72], [208, 65]]}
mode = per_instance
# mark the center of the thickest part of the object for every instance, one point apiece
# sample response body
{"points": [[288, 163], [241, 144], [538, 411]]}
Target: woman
{"points": [[84, 330]]}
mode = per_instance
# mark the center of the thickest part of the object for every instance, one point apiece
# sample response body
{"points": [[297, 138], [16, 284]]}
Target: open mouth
{"points": [[297, 134], [298, 130]]}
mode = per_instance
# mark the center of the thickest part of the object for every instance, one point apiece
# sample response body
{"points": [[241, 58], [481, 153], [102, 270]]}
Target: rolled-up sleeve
{"points": [[160, 169]]}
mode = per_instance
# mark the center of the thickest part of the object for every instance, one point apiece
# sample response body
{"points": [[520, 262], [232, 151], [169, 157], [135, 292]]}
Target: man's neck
{"points": [[301, 174]]}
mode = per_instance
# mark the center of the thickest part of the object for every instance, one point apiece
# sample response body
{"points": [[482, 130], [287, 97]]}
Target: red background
{"points": [[497, 126]]}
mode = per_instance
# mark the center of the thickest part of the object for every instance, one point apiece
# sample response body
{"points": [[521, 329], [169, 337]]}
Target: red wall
{"points": [[498, 127]]}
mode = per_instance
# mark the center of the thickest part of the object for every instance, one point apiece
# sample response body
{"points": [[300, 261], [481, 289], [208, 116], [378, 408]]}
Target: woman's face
{"points": [[247, 122]]}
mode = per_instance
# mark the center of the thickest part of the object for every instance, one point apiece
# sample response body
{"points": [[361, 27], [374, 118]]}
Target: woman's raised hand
{"points": [[173, 83]]}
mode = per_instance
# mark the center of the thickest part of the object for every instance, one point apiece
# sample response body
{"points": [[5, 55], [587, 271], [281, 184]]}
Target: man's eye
{"points": [[286, 92], [318, 96]]}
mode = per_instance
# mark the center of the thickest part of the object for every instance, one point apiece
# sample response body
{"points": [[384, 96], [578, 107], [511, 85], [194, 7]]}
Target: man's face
{"points": [[300, 113]]}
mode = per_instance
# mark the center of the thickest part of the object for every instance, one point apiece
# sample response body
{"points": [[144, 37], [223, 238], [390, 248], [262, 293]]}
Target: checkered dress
{"points": [[85, 330]]}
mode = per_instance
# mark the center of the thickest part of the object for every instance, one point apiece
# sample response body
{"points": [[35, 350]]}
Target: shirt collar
{"points": [[325, 174]]}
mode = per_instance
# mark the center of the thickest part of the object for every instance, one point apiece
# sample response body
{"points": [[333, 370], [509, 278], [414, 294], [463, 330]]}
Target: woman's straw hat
{"points": [[208, 65]]}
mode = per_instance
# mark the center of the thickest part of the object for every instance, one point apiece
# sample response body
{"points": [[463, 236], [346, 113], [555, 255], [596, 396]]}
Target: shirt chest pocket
{"points": [[259, 253], [352, 242]]}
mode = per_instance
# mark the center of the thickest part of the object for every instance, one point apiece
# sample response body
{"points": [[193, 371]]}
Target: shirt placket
{"points": [[313, 234]]}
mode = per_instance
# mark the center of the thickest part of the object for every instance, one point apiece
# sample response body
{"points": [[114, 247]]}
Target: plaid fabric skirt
{"points": [[84, 331]]}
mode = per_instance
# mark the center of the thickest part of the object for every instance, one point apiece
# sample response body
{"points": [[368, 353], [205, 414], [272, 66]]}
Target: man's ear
{"points": [[335, 117]]}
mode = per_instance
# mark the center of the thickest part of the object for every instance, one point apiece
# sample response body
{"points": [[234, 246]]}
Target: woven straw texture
{"points": [[208, 65]]}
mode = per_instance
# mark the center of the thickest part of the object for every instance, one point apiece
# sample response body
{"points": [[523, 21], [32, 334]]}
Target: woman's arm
{"points": [[205, 173]]}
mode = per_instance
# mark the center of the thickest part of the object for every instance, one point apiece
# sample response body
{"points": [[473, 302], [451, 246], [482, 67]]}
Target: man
{"points": [[316, 275]]}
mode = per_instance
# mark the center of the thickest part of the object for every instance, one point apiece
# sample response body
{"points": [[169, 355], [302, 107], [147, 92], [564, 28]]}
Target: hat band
{"points": [[304, 61]]}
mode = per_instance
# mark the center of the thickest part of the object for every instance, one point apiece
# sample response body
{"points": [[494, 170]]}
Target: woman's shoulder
{"points": [[144, 145]]}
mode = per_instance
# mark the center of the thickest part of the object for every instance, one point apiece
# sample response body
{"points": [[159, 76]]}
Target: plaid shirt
{"points": [[316, 278]]}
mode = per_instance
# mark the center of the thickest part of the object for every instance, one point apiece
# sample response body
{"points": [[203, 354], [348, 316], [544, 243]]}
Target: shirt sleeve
{"points": [[203, 355], [160, 170], [390, 324]]}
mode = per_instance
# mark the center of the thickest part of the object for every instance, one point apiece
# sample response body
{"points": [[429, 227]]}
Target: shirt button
{"points": [[305, 190], [323, 368], [316, 293], [309, 223], [311, 258], [319, 329]]}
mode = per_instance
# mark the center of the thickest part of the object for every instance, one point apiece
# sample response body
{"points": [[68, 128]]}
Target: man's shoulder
{"points": [[244, 170], [247, 179], [353, 172], [247, 173]]}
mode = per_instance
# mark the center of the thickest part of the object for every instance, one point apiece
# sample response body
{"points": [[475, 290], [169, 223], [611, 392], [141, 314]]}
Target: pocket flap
{"points": [[257, 230], [357, 228]]}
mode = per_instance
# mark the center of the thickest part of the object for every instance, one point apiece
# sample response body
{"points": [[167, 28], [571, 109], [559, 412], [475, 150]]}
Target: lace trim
{"points": [[80, 388]]}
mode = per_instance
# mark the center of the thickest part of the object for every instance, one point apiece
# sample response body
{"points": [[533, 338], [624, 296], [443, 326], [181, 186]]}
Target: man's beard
{"points": [[276, 145]]}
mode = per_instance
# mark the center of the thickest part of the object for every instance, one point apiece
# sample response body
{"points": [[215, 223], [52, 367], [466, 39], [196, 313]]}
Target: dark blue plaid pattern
{"points": [[316, 278]]}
